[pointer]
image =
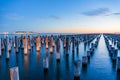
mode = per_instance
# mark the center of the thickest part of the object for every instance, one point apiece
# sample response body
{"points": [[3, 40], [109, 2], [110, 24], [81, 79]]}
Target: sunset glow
{"points": [[60, 16]]}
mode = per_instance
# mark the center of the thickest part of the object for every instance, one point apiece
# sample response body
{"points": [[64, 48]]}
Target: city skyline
{"points": [[60, 16]]}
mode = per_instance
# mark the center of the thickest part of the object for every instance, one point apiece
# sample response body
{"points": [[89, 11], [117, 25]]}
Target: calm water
{"points": [[31, 66]]}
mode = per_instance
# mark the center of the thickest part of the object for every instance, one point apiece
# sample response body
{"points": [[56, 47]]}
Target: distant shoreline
{"points": [[46, 33]]}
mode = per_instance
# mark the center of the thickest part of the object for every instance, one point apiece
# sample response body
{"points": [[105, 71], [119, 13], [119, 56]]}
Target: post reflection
{"points": [[38, 57], [26, 62]]}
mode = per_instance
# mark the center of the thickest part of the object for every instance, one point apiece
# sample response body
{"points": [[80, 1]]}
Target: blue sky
{"points": [[72, 16]]}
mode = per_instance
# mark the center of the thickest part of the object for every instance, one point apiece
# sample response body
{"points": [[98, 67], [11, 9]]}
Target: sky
{"points": [[60, 16]]}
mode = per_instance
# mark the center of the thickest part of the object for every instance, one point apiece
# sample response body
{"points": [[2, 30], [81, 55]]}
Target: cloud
{"points": [[117, 13], [97, 12], [50, 17], [14, 16], [55, 17], [113, 14]]}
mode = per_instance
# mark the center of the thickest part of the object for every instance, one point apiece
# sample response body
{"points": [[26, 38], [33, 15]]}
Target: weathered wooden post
{"points": [[2, 45], [43, 40], [46, 41], [88, 54], [21, 42], [114, 55], [16, 44], [84, 60], [51, 45], [73, 44], [32, 42], [64, 42], [58, 49], [25, 45], [9, 46], [67, 46], [7, 52], [38, 43], [0, 48], [45, 64], [77, 41], [77, 70], [14, 73], [29, 43]]}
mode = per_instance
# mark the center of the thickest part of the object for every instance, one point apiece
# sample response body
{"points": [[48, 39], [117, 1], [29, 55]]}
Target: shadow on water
{"points": [[84, 69], [46, 75], [67, 62], [88, 60], [118, 76], [58, 71], [114, 65]]}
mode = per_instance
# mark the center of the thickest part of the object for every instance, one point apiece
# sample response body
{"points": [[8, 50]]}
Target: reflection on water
{"points": [[30, 66], [26, 62], [38, 57]]}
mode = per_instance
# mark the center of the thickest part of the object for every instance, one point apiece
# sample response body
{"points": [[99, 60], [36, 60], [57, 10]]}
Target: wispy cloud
{"points": [[14, 16], [113, 14], [50, 17], [117, 13], [55, 17], [97, 12]]}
